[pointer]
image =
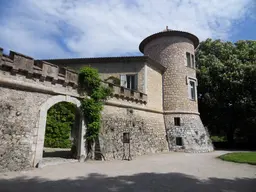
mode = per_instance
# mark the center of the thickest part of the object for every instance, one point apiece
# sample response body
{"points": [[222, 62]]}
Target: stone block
{"points": [[22, 62], [50, 70]]}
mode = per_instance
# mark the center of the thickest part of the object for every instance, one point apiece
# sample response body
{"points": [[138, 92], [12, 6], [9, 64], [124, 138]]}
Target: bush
{"points": [[60, 120], [218, 139]]}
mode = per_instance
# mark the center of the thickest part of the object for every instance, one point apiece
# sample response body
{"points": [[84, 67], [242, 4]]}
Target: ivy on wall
{"points": [[114, 80], [90, 82], [61, 117], [60, 120]]}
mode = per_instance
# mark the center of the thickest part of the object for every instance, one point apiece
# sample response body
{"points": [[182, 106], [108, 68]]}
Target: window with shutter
{"points": [[129, 81], [123, 81]]}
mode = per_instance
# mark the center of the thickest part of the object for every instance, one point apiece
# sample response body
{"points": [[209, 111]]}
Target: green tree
{"points": [[60, 120], [227, 88]]}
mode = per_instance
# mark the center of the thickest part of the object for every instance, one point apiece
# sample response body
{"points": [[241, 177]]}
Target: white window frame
{"points": [[192, 63], [123, 80], [189, 87]]}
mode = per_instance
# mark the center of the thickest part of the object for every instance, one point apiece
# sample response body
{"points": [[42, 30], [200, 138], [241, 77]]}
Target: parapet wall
{"points": [[19, 64]]}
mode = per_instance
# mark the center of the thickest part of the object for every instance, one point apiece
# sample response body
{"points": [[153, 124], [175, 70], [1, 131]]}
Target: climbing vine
{"points": [[90, 82], [113, 80]]}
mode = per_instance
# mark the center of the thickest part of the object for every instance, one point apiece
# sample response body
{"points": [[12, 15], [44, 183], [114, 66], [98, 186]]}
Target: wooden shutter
{"points": [[123, 81], [189, 90], [136, 82]]}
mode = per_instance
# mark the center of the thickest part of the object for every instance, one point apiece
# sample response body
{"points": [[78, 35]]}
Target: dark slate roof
{"points": [[103, 60], [190, 36]]}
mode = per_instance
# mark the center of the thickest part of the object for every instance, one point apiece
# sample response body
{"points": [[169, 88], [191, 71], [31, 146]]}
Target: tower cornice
{"points": [[169, 32]]}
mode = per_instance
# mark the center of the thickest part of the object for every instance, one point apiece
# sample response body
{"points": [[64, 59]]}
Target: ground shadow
{"points": [[60, 154], [144, 182], [235, 146]]}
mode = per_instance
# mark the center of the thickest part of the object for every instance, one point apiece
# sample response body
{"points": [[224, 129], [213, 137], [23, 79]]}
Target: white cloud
{"points": [[80, 28]]}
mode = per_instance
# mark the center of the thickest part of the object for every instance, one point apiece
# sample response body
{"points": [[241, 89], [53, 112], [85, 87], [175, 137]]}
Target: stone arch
{"points": [[42, 124]]}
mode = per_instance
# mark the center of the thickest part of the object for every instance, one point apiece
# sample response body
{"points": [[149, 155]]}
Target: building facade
{"points": [[167, 74], [153, 109]]}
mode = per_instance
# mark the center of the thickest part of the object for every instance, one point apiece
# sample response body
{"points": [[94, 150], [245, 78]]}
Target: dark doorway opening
{"points": [[179, 141]]}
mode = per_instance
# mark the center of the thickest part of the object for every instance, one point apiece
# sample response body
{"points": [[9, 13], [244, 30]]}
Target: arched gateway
{"points": [[80, 126]]}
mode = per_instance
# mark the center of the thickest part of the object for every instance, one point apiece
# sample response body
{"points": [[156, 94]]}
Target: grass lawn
{"points": [[243, 157]]}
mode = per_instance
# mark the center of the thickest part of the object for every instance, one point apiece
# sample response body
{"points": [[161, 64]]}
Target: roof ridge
{"points": [[82, 58]]}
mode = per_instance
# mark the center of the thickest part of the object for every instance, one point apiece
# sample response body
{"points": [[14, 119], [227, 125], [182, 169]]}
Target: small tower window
{"points": [[193, 61], [176, 121], [192, 90], [179, 141], [188, 59]]}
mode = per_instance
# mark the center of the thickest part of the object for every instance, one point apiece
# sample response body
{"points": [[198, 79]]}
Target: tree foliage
{"points": [[90, 82], [60, 120], [227, 88]]}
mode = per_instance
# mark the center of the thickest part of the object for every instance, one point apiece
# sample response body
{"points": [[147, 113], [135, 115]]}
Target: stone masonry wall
{"points": [[27, 85], [194, 136], [171, 52], [24, 86], [18, 129], [146, 129]]}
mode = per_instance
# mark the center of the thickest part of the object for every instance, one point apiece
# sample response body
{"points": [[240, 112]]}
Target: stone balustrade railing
{"points": [[17, 63], [128, 94]]}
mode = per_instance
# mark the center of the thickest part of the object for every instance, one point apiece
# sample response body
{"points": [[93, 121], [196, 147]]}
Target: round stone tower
{"points": [[175, 50]]}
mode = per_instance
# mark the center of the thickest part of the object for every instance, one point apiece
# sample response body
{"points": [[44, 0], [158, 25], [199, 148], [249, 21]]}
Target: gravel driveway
{"points": [[159, 172]]}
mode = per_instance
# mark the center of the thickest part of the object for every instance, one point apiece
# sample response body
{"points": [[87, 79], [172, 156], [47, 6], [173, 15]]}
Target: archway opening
{"points": [[61, 132]]}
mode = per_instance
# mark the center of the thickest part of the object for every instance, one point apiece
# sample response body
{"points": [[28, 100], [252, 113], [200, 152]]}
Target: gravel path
{"points": [[159, 172]]}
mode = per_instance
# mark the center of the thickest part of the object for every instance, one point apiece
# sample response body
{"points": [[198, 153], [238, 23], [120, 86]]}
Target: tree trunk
{"points": [[91, 150]]}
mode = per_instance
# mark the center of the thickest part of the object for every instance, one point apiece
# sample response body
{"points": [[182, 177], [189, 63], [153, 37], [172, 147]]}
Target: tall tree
{"points": [[227, 88]]}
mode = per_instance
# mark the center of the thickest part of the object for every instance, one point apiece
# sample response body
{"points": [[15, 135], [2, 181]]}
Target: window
{"points": [[192, 89], [190, 60], [179, 141], [126, 137], [177, 121], [193, 61], [129, 81]]}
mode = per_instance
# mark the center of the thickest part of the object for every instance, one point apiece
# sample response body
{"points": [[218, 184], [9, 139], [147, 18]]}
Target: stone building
{"points": [[154, 107], [167, 74]]}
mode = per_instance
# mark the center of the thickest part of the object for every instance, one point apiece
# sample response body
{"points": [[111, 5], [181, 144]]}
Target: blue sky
{"points": [[93, 28]]}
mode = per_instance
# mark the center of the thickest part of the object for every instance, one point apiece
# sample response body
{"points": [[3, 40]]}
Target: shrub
{"points": [[60, 119]]}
